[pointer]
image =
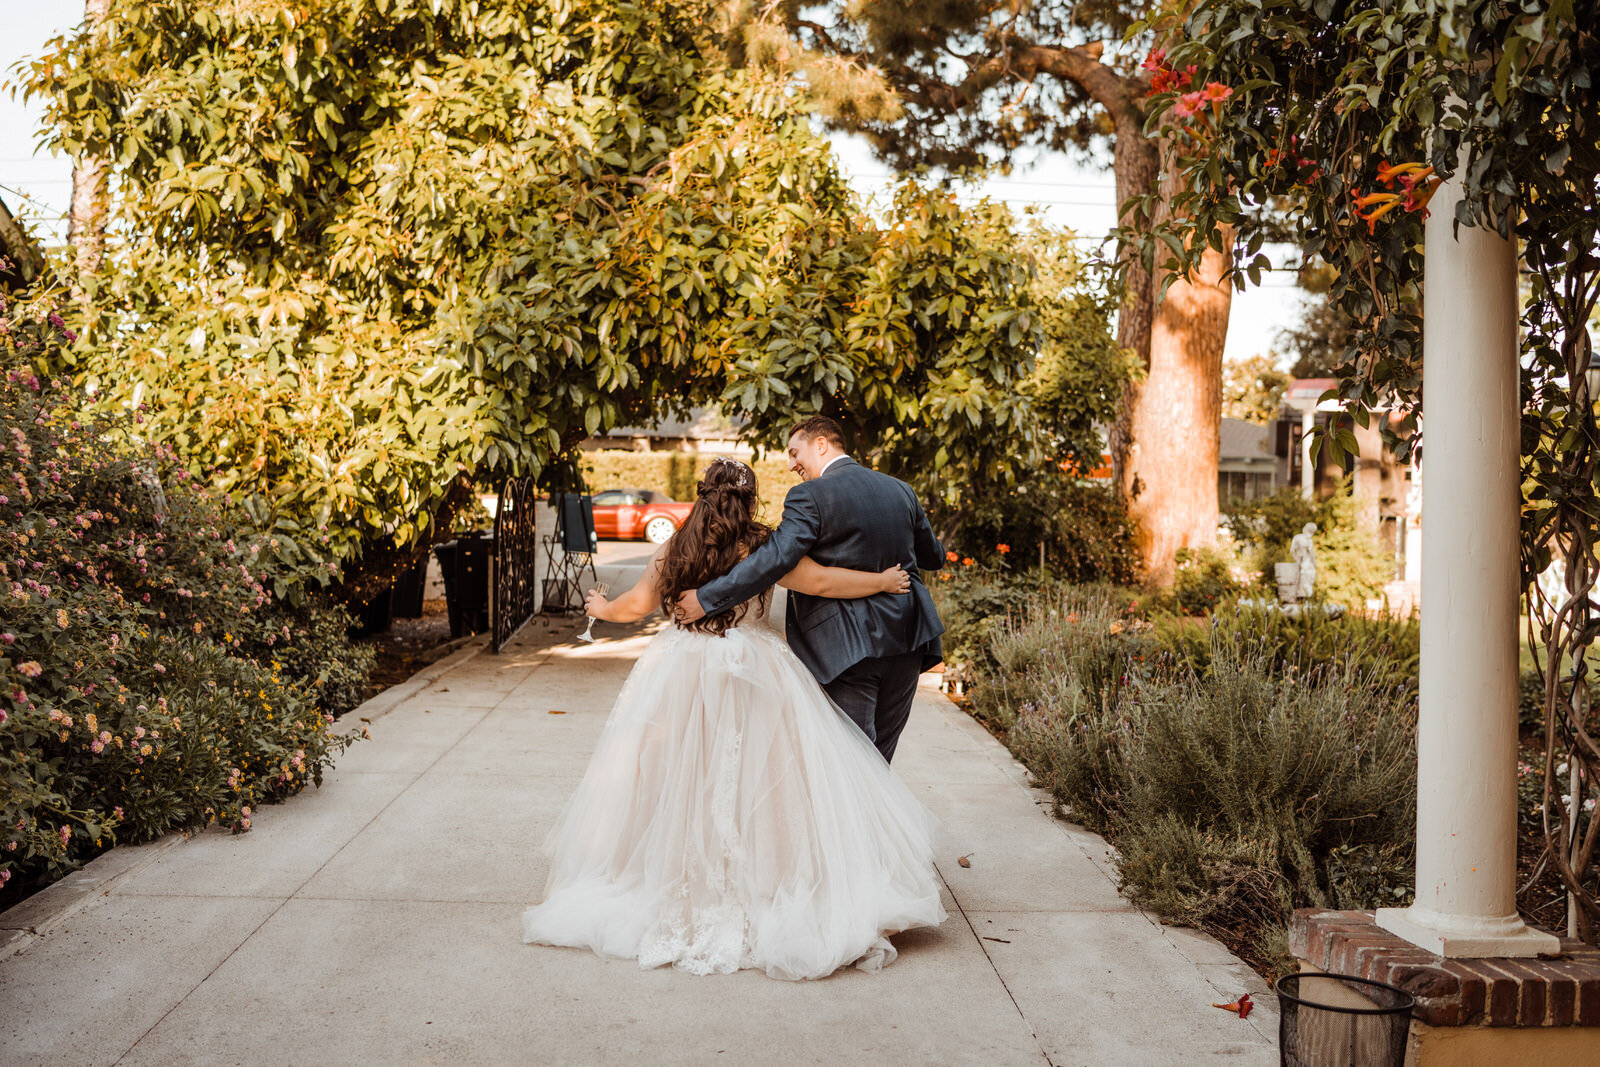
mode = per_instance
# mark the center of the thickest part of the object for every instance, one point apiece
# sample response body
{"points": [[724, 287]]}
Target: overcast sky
{"points": [[38, 186]]}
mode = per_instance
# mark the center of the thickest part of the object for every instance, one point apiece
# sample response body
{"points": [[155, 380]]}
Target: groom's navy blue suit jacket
{"points": [[848, 517]]}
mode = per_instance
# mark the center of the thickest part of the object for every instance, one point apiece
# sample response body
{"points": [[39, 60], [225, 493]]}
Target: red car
{"points": [[631, 514]]}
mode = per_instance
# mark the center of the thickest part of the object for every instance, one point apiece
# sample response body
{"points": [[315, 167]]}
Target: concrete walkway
{"points": [[377, 919]]}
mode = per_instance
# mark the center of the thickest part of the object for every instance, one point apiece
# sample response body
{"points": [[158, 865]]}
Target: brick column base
{"points": [[1564, 991]]}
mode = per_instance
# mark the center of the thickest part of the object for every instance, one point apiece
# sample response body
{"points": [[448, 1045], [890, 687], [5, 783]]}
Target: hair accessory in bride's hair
{"points": [[746, 478]]}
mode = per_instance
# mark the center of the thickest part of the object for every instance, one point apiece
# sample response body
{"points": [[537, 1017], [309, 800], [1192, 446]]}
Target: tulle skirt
{"points": [[732, 817]]}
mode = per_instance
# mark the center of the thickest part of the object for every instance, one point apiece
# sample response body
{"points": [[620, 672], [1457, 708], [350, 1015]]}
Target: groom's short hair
{"points": [[820, 426]]}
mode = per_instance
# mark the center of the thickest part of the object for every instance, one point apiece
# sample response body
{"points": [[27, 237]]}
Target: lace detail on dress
{"points": [[709, 938]]}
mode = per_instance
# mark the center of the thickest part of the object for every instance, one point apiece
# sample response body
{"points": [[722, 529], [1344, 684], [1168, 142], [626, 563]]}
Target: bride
{"points": [[732, 816]]}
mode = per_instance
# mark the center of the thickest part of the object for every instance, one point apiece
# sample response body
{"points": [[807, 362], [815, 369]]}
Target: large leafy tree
{"points": [[961, 85], [365, 253], [1253, 388]]}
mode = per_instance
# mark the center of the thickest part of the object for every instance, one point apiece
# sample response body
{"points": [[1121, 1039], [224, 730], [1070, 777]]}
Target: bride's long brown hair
{"points": [[720, 531]]}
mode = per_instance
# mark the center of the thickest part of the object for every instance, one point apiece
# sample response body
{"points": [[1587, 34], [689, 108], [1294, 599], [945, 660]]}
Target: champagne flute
{"points": [[588, 631]]}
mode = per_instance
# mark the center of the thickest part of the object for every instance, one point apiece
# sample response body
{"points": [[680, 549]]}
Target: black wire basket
{"points": [[1330, 1020]]}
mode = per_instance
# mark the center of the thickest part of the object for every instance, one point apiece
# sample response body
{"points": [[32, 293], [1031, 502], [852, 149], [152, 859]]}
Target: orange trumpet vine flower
{"points": [[1389, 173], [1241, 1006]]}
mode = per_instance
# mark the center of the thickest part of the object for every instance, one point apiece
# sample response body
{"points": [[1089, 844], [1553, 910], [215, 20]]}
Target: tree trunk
{"points": [[1164, 445], [86, 226], [1176, 419], [1135, 165]]}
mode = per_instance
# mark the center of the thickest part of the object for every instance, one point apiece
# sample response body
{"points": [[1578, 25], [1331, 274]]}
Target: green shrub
{"points": [[675, 473], [1242, 767], [1287, 767], [972, 600], [148, 681], [1204, 579], [1053, 676], [1388, 646], [225, 735], [312, 647], [978, 602]]}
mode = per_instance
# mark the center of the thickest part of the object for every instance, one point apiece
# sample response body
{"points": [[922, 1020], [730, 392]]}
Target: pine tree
{"points": [[955, 86], [1325, 336]]}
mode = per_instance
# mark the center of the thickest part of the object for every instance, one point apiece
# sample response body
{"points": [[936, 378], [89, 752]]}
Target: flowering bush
{"points": [[147, 679]]}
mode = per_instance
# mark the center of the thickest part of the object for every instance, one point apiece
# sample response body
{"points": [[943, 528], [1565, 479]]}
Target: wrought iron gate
{"points": [[516, 554]]}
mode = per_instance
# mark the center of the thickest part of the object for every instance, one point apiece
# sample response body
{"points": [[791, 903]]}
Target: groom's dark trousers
{"points": [[868, 652]]}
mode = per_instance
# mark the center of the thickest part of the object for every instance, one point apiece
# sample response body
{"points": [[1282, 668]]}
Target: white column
{"points": [[1308, 477], [1467, 733]]}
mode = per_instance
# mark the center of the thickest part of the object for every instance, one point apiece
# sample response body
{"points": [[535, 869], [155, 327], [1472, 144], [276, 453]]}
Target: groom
{"points": [[867, 653]]}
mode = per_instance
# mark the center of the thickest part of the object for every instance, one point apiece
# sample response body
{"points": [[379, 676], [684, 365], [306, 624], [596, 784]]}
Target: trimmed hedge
{"points": [[675, 473]]}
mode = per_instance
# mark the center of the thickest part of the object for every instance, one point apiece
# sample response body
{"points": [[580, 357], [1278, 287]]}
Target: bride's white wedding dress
{"points": [[732, 817]]}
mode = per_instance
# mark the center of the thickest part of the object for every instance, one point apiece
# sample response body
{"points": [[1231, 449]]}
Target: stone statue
{"points": [[1304, 554]]}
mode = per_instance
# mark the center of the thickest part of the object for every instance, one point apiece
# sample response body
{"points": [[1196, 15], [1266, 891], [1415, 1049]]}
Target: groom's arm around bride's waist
{"points": [[782, 552]]}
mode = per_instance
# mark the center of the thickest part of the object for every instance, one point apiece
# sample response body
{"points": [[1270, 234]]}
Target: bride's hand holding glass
{"points": [[594, 606]]}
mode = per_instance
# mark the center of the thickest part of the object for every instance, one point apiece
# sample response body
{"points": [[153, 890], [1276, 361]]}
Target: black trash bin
{"points": [[408, 589], [464, 566], [375, 616], [1330, 1020]]}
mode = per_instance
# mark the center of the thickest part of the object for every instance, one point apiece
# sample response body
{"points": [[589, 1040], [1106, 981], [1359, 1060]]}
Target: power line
{"points": [[889, 176]]}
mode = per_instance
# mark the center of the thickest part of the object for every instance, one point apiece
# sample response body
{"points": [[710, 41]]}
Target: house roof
{"points": [[1309, 388], [700, 424], [1241, 440]]}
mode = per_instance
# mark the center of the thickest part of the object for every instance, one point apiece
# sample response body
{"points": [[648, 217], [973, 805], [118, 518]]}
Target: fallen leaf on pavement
{"points": [[553, 711], [1240, 1007], [965, 861]]}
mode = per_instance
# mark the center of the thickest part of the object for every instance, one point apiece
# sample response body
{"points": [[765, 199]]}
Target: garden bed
{"points": [[1241, 765], [407, 646], [1065, 677]]}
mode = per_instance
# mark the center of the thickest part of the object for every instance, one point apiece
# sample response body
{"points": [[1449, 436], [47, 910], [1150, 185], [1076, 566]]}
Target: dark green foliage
{"points": [[973, 601], [1085, 531], [312, 647], [1204, 580]]}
